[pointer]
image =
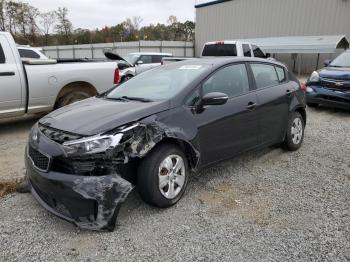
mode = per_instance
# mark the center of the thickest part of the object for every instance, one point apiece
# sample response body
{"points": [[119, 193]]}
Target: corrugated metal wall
{"points": [[267, 18]]}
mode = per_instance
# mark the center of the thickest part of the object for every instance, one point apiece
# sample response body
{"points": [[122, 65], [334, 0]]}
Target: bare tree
{"points": [[47, 21], [64, 25], [2, 15], [136, 22]]}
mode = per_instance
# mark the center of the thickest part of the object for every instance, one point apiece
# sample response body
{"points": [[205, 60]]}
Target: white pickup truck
{"points": [[224, 48], [35, 86]]}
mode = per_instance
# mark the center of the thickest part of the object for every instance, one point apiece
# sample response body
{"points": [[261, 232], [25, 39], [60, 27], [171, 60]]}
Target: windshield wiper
{"points": [[141, 99], [116, 98]]}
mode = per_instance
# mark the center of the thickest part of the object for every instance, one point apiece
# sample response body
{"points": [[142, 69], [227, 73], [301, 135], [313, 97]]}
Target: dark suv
{"points": [[83, 160]]}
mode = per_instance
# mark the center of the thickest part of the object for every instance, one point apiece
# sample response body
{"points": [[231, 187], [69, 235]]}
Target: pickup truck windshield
{"points": [[342, 61], [220, 50], [158, 84]]}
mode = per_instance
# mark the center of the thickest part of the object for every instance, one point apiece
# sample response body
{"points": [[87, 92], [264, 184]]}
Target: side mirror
{"points": [[139, 62], [214, 98], [327, 62]]}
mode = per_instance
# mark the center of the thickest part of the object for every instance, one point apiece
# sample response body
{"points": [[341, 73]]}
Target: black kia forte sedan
{"points": [[152, 131]]}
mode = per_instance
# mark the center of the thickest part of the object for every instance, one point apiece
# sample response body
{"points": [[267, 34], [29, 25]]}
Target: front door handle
{"points": [[251, 106], [289, 92], [7, 73]]}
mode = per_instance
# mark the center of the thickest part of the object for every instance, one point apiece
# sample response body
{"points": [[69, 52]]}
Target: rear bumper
{"points": [[329, 97], [88, 202]]}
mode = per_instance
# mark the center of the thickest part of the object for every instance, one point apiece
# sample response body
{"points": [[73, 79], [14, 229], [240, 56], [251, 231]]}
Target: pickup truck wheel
{"points": [[72, 98], [295, 132], [162, 176]]}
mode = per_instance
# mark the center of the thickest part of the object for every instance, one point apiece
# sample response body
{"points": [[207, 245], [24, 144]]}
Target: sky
{"points": [[91, 14]]}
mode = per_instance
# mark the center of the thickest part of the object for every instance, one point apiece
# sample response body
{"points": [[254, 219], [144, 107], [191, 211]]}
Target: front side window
{"points": [[146, 59], [157, 58], [2, 55], [231, 80], [265, 75], [161, 83], [257, 52], [25, 53], [246, 50], [281, 74], [193, 99]]}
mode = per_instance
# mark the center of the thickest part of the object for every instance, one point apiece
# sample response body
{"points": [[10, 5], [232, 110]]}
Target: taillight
{"points": [[116, 76], [303, 87]]}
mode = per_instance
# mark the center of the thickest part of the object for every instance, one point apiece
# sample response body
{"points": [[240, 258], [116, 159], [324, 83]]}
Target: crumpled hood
{"points": [[335, 73], [97, 115]]}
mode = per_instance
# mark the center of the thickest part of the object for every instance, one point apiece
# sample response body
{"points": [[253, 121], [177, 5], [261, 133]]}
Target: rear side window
{"points": [[220, 50], [265, 75], [257, 52], [2, 55], [25, 53], [281, 74], [231, 80], [246, 50]]}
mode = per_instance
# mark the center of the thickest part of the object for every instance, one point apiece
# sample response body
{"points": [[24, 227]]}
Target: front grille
{"points": [[56, 135], [334, 84], [39, 160]]}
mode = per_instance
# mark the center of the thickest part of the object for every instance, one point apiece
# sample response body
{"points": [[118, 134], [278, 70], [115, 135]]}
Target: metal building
{"points": [[241, 19]]}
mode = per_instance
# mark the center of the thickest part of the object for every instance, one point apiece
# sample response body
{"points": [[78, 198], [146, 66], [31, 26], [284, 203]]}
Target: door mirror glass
{"points": [[327, 62], [214, 98]]}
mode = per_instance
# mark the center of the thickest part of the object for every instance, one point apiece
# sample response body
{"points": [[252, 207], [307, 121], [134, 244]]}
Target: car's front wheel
{"points": [[162, 176], [295, 132]]}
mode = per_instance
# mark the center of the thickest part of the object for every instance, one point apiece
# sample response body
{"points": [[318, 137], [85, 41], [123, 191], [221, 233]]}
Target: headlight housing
{"points": [[315, 77], [91, 145], [96, 144]]}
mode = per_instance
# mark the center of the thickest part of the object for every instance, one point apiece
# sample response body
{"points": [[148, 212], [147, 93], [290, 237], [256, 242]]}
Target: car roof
{"points": [[150, 53], [227, 42], [219, 61]]}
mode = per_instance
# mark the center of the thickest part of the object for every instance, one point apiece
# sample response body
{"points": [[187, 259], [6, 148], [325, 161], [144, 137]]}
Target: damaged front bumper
{"points": [[90, 202]]}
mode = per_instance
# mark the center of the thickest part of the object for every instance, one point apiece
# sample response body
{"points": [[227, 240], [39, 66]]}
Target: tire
{"points": [[153, 167], [295, 132], [127, 78], [72, 97], [312, 105]]}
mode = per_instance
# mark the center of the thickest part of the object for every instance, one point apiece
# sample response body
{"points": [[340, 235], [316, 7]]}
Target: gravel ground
{"points": [[266, 205]]}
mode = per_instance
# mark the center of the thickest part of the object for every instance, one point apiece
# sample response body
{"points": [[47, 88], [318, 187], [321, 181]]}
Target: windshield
{"points": [[342, 61], [132, 58], [161, 83]]}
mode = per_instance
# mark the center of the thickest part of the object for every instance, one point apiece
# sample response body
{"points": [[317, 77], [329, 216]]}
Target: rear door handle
{"points": [[251, 106], [7, 73]]}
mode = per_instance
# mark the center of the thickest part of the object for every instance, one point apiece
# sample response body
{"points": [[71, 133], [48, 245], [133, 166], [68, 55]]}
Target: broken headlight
{"points": [[91, 145], [96, 144]]}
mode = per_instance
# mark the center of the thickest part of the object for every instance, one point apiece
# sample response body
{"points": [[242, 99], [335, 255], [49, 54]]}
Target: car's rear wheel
{"points": [[295, 132], [312, 105], [162, 176], [72, 97]]}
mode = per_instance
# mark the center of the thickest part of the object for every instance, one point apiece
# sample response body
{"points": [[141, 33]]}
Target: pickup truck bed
{"points": [[34, 86]]}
